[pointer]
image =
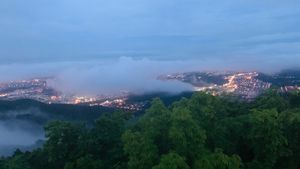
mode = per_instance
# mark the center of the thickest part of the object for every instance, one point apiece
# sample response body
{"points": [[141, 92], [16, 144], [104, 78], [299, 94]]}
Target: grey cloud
{"points": [[34, 31]]}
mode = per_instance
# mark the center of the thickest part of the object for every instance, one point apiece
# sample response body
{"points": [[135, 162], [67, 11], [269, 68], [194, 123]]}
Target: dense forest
{"points": [[200, 132]]}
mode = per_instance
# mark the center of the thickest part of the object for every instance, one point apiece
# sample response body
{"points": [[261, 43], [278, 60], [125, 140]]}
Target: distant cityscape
{"points": [[38, 89], [245, 85]]}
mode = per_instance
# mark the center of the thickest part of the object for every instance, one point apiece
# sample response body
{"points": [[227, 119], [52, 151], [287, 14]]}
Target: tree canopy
{"points": [[202, 132]]}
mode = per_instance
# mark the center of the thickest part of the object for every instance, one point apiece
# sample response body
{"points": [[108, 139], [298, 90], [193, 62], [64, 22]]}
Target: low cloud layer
{"points": [[125, 74], [16, 132], [130, 74]]}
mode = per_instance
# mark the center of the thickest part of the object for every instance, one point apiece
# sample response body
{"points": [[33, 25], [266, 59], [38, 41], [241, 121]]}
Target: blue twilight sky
{"points": [[69, 30]]}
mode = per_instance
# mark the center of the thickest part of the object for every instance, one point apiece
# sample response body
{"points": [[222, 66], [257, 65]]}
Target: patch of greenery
{"points": [[202, 132]]}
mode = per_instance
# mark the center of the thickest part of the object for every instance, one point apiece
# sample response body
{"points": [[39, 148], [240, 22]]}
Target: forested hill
{"points": [[202, 132], [41, 113]]}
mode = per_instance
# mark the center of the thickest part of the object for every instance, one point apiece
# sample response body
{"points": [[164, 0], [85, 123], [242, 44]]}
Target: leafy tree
{"points": [[18, 162], [290, 122], [39, 159], [62, 142], [271, 100], [2, 162], [267, 138], [186, 136], [155, 125], [86, 162], [207, 110], [294, 99], [172, 161], [104, 140], [218, 160], [141, 150]]}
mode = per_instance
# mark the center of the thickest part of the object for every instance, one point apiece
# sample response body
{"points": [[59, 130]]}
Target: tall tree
{"points": [[267, 138], [62, 143], [172, 161]]}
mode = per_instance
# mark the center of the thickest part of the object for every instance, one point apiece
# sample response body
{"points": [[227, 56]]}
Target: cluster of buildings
{"points": [[28, 89], [290, 88], [245, 85], [120, 103], [37, 89]]}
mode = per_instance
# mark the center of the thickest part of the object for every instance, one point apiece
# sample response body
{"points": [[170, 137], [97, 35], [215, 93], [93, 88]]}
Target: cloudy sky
{"points": [[55, 30], [44, 36]]}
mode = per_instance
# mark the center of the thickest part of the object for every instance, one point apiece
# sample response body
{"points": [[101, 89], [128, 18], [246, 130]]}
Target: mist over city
{"points": [[138, 75], [139, 84], [98, 46]]}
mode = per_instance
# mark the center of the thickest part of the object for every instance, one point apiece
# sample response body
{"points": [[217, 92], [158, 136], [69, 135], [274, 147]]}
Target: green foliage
{"points": [[290, 123], [62, 142], [267, 138], [104, 140], [141, 151], [86, 162], [185, 135], [218, 160], [19, 161], [294, 99], [172, 161], [271, 100], [203, 132]]}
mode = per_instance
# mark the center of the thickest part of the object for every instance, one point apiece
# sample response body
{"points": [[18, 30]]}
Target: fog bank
{"points": [[17, 130], [126, 73]]}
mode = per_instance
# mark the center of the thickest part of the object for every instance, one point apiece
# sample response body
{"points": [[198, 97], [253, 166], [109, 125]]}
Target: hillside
{"points": [[22, 121], [202, 131], [49, 112]]}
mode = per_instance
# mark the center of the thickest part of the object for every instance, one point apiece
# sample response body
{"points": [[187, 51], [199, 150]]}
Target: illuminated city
{"points": [[245, 85], [38, 89]]}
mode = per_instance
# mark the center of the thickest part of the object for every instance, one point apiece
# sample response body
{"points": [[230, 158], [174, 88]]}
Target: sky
{"points": [[48, 37]]}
